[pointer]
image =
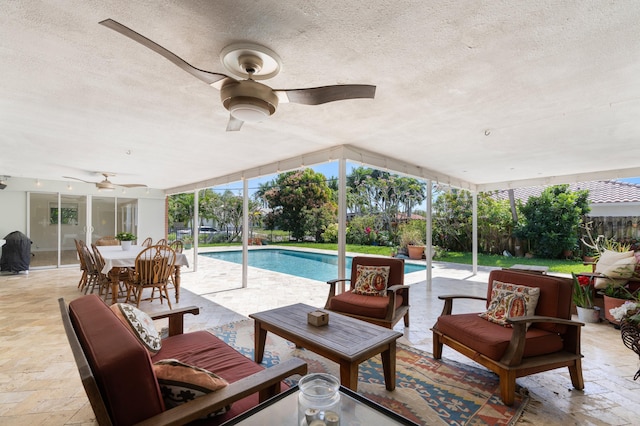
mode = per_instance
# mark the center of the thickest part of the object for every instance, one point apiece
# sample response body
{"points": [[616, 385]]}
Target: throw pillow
{"points": [[371, 280], [609, 257], [511, 300], [616, 273], [140, 324], [181, 383]]}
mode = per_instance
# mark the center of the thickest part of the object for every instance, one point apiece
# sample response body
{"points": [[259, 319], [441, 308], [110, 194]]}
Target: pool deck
{"points": [[209, 282], [40, 384]]}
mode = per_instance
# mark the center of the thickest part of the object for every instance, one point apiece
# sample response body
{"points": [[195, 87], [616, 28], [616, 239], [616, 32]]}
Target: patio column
{"points": [[474, 228], [245, 231], [429, 236], [342, 219], [195, 230]]}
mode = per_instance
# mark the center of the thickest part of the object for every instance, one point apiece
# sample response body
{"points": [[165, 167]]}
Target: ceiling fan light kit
{"points": [[248, 100]]}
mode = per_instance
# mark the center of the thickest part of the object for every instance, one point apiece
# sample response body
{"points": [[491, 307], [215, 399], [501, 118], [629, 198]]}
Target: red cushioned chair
{"points": [[385, 311], [552, 341]]}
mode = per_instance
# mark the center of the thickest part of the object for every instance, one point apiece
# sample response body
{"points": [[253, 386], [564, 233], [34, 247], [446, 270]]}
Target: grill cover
{"points": [[16, 253]]}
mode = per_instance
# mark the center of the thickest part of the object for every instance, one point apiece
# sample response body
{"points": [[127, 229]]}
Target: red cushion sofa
{"points": [[119, 379]]}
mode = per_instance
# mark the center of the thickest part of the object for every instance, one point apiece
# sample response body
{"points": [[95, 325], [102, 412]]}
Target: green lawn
{"points": [[555, 265]]}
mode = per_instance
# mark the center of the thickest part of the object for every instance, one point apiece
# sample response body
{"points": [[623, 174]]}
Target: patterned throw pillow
{"points": [[510, 300], [371, 280], [181, 383], [140, 324]]}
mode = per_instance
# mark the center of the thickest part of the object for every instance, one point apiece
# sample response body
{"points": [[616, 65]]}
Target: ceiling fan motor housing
{"points": [[248, 100]]}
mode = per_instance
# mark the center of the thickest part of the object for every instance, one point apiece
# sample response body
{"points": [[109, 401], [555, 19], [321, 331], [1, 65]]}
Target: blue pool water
{"points": [[315, 266]]}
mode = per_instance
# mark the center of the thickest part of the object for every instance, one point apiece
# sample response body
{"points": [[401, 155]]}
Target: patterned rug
{"points": [[428, 391]]}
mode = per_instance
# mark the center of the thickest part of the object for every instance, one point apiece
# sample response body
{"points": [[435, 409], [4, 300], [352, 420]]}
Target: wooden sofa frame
{"points": [[512, 364], [266, 383]]}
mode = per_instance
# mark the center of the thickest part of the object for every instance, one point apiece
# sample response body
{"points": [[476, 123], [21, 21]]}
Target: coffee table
{"points": [[345, 340], [354, 410]]}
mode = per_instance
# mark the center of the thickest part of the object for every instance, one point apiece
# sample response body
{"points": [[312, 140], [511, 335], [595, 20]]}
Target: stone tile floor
{"points": [[39, 383]]}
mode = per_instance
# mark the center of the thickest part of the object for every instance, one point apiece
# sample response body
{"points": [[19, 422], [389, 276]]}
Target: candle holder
{"points": [[319, 400]]}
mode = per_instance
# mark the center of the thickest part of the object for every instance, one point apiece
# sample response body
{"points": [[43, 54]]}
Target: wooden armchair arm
{"points": [[513, 354], [332, 289], [176, 318], [267, 382], [392, 291], [448, 301], [394, 288]]}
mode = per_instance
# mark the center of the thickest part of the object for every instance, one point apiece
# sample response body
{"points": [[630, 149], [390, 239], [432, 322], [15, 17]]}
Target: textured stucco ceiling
{"points": [[483, 92]]}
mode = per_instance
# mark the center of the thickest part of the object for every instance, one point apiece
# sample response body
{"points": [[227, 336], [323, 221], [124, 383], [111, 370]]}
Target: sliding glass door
{"points": [[56, 220]]}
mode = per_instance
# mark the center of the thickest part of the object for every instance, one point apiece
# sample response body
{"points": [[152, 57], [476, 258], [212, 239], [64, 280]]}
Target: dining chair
{"points": [[153, 268], [92, 269], [83, 265], [104, 281], [177, 246], [161, 242], [148, 242]]}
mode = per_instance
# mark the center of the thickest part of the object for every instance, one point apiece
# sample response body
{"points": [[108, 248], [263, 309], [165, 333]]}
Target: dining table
{"points": [[116, 259]]}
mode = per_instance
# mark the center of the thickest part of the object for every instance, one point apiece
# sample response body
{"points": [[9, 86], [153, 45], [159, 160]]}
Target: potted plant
{"points": [[188, 242], [583, 299], [615, 296], [413, 240], [126, 239]]}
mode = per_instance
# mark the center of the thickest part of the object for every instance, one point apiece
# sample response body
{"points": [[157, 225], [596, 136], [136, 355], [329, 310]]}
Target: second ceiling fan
{"points": [[248, 100]]}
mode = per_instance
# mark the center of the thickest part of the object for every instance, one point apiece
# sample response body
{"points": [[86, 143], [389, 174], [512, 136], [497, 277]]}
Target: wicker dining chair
{"points": [[153, 267]]}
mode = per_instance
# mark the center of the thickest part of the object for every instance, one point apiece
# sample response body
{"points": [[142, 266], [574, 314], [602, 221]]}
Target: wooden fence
{"points": [[620, 228]]}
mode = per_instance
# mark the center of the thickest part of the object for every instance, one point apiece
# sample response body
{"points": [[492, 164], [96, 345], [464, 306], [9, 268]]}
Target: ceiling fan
{"points": [[106, 184], [248, 100]]}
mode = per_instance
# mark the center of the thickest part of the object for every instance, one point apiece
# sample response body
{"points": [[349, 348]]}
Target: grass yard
{"points": [[555, 265]]}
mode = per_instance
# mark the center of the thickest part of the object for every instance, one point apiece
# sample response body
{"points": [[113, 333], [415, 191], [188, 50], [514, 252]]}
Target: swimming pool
{"points": [[315, 266]]}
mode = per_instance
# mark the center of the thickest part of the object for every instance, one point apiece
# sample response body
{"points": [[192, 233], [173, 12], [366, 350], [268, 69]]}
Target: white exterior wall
{"points": [[615, 209], [13, 204]]}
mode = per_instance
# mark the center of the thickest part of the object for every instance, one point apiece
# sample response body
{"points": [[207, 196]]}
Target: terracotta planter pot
{"points": [[415, 252], [611, 302]]}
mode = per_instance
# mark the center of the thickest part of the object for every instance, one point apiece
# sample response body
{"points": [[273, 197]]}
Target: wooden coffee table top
{"points": [[347, 337]]}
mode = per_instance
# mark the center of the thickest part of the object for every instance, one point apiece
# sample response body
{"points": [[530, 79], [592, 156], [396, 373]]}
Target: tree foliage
{"points": [[301, 202], [453, 217], [552, 220], [374, 192]]}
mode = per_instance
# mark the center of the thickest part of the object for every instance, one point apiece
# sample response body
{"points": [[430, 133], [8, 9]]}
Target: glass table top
{"points": [[355, 410]]}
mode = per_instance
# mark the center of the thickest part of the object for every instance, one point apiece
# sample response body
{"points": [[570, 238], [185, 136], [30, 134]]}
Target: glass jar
{"points": [[319, 399]]}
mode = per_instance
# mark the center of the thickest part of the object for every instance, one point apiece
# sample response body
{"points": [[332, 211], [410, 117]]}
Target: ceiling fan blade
{"points": [[234, 124], [321, 95], [206, 76], [132, 185], [75, 178]]}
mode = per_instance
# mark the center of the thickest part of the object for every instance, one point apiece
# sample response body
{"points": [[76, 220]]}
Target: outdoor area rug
{"points": [[428, 391]]}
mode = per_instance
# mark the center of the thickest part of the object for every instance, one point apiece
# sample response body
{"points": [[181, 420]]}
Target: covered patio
{"points": [[476, 96], [41, 385]]}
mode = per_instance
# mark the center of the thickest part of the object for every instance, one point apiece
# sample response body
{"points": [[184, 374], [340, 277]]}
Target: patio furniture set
{"points": [[113, 358]]}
